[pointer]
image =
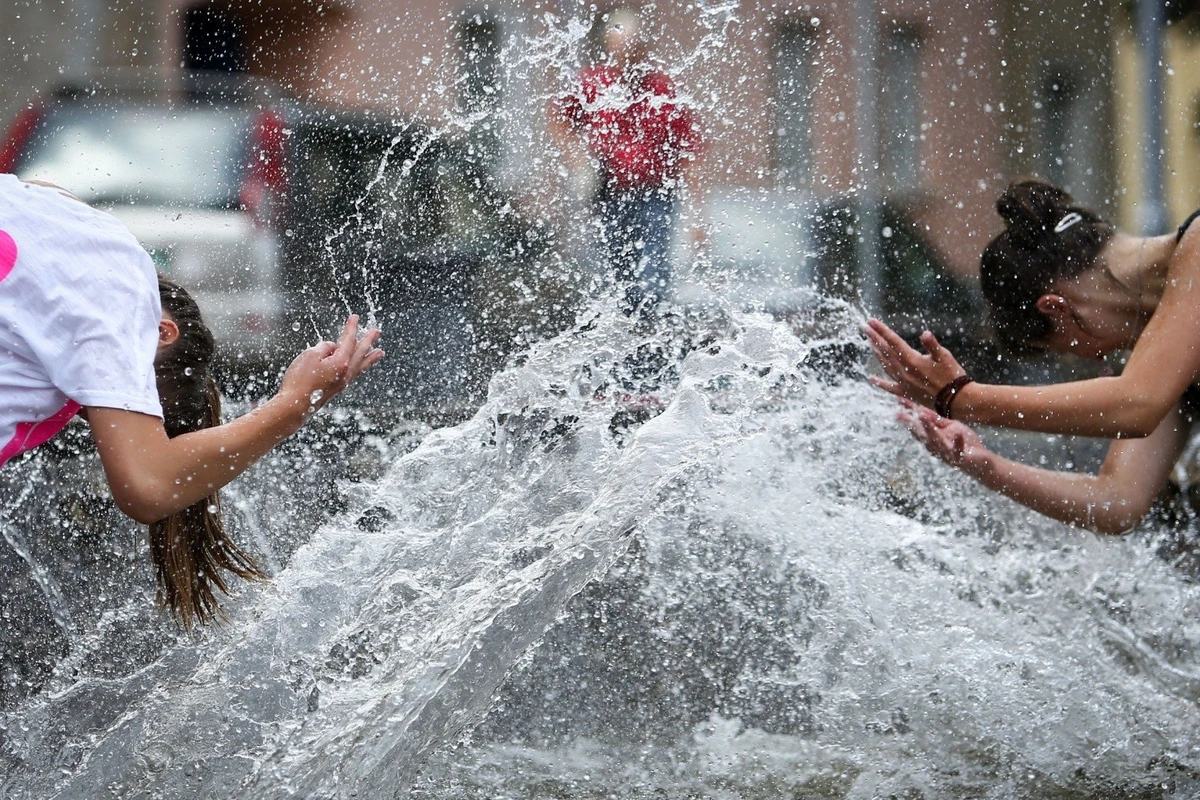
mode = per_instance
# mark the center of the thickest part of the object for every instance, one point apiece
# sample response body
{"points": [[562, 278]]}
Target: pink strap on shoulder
{"points": [[29, 434], [34, 434], [8, 254]]}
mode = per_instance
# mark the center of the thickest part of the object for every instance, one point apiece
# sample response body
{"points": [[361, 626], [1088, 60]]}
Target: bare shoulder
{"points": [[47, 184], [54, 186], [1185, 261]]}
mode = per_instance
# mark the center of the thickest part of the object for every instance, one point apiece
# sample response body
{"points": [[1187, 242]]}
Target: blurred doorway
{"points": [[214, 39]]}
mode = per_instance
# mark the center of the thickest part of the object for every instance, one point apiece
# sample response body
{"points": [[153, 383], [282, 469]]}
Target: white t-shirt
{"points": [[79, 314]]}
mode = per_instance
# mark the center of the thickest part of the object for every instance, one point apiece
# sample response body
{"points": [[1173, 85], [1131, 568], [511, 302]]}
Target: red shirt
{"points": [[635, 129]]}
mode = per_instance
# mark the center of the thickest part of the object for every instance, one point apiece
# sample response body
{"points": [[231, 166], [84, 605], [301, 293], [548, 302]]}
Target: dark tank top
{"points": [[1183, 228], [1189, 404]]}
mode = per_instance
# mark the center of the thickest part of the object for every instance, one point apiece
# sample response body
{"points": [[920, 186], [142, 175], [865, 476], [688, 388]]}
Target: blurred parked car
{"points": [[404, 225], [282, 217], [771, 248], [199, 180], [919, 290], [775, 251], [759, 253]]}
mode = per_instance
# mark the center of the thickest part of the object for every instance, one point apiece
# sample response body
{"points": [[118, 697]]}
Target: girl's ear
{"points": [[168, 333], [1054, 306]]}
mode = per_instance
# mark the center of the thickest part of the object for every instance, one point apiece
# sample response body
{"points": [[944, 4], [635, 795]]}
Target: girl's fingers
{"points": [[935, 435], [889, 368], [932, 346], [888, 386], [366, 344], [933, 422], [912, 424], [881, 347], [960, 446], [349, 336], [890, 345], [873, 336], [887, 365], [892, 338], [361, 365], [897, 358], [323, 349], [887, 359]]}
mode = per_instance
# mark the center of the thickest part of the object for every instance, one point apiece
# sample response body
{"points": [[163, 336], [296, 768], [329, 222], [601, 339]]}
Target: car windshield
{"points": [[188, 157]]}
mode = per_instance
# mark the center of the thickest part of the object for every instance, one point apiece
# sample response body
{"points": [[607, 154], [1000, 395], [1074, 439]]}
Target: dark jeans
{"points": [[635, 230]]}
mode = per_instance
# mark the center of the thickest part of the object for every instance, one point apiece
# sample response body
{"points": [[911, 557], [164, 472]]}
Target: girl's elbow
{"points": [[1118, 526], [1137, 424], [141, 503], [1119, 518], [140, 512], [1142, 417]]}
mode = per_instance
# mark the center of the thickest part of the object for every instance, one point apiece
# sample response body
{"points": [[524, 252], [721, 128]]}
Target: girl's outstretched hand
{"points": [[325, 369], [914, 375], [952, 442]]}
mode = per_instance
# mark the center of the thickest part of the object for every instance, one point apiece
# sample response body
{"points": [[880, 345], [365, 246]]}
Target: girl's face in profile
{"points": [[1082, 327], [1076, 343]]}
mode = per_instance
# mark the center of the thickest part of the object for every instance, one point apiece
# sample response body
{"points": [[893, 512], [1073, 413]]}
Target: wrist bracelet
{"points": [[945, 397]]}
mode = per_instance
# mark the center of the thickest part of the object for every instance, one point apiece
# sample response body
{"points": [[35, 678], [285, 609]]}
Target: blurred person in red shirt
{"points": [[643, 141]]}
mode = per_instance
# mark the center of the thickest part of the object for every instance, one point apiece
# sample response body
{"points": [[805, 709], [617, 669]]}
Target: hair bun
{"points": [[1049, 238], [1033, 206]]}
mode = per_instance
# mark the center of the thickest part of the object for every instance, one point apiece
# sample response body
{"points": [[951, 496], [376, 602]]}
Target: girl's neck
{"points": [[1139, 265]]}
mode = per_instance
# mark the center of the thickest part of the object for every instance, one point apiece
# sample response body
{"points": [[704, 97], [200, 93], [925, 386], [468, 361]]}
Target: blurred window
{"points": [[795, 47], [900, 132], [1062, 125], [213, 39], [361, 192], [480, 90], [189, 157], [368, 192]]}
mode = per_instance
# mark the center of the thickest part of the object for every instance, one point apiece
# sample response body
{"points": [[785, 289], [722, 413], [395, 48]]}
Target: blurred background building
{"points": [[1181, 72], [966, 97]]}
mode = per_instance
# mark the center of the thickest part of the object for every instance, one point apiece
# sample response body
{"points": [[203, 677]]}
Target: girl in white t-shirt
{"points": [[88, 327]]}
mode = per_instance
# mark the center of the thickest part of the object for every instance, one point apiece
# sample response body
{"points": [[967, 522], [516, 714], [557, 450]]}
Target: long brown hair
{"points": [[190, 549], [1049, 237]]}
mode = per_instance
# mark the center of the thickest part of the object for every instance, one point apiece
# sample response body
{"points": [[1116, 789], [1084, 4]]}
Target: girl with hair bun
{"points": [[1061, 279], [87, 327]]}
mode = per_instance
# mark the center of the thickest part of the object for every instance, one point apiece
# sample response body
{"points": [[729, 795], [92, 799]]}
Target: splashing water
{"points": [[782, 631], [486, 531], [699, 560], [809, 605]]}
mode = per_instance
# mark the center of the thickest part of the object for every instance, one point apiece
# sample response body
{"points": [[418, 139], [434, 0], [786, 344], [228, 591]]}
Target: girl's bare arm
{"points": [[1164, 363], [153, 476], [1110, 502]]}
